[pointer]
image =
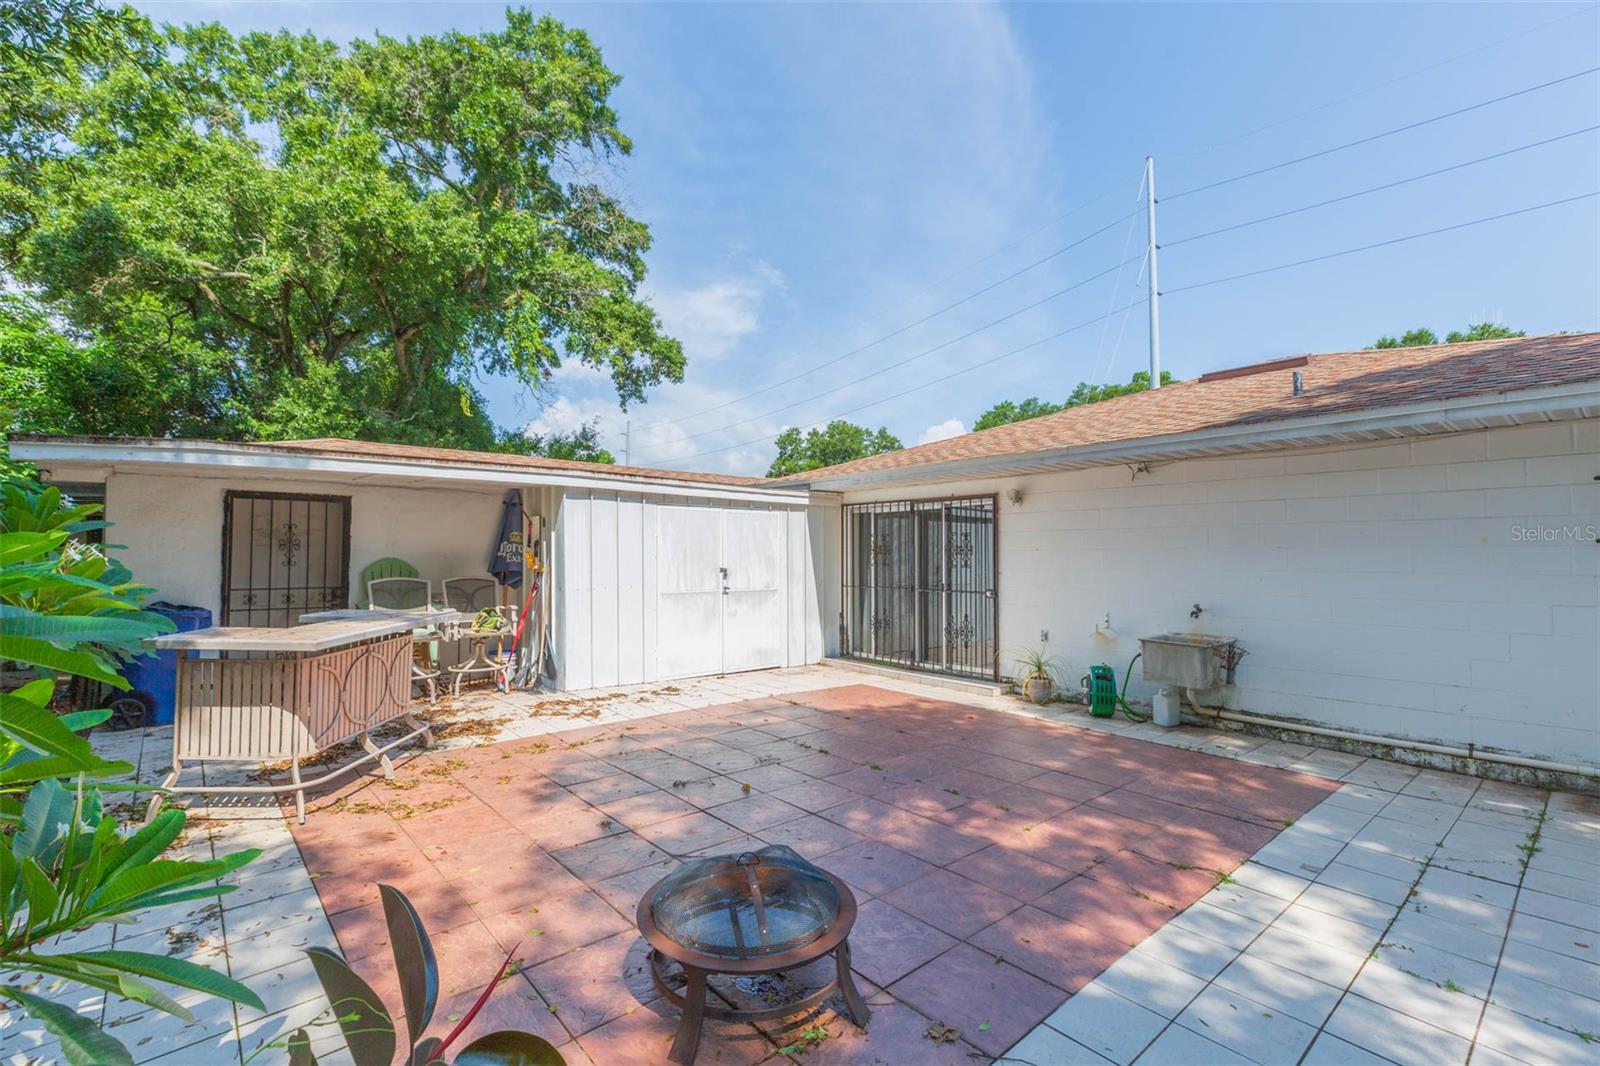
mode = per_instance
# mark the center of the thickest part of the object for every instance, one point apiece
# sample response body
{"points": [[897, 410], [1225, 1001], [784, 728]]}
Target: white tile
{"points": [[1234, 897], [1351, 906], [1151, 983], [1329, 1050], [1556, 936], [1255, 1030], [1187, 951], [1563, 971], [1559, 909], [1310, 958], [1375, 887], [1535, 1042], [1273, 882], [1107, 1023], [1435, 964], [1179, 1046], [1390, 1034], [1047, 1047], [1325, 928], [1451, 1010], [1214, 923], [1415, 926], [1294, 994]]}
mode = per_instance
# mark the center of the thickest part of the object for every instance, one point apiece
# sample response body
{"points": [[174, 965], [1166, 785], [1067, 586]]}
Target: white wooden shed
{"points": [[654, 575]]}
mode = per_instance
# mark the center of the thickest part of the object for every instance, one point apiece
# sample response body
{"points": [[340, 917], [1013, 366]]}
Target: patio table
{"points": [[449, 621], [261, 695]]}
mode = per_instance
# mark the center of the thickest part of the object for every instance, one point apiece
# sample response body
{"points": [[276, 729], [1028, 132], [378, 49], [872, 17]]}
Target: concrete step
{"points": [[971, 686]]}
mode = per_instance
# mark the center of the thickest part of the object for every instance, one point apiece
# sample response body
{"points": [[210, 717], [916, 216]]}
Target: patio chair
{"points": [[388, 566], [400, 593], [411, 594], [470, 594], [474, 594]]}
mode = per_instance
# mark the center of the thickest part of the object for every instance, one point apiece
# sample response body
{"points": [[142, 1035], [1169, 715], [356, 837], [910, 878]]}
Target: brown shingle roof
{"points": [[1336, 382]]}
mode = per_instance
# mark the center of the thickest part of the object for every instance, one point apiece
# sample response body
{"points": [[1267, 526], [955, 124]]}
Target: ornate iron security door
{"points": [[283, 555], [919, 584]]}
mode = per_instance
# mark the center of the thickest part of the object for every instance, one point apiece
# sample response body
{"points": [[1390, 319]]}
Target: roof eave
{"points": [[1580, 400], [244, 459]]}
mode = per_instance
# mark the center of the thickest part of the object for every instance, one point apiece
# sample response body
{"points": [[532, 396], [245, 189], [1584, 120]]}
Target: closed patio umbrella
{"points": [[505, 563]]}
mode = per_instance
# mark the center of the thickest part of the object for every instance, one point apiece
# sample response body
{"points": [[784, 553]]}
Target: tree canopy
{"points": [[838, 442], [1422, 336], [267, 235], [1006, 411]]}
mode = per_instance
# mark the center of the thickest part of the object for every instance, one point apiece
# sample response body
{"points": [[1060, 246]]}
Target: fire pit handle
{"points": [[749, 858]]}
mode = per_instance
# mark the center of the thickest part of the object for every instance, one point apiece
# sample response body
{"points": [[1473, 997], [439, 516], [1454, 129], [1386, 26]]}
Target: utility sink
{"points": [[1189, 660]]}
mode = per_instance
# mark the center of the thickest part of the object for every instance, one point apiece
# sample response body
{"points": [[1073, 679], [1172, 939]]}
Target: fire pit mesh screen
{"points": [[746, 906]]}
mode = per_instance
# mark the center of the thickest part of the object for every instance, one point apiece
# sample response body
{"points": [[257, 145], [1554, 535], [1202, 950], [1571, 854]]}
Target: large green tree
{"points": [[314, 240], [1422, 336], [1007, 411], [838, 442]]}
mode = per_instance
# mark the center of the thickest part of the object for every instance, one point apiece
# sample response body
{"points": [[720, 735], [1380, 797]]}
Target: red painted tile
{"points": [[1050, 947], [811, 836], [544, 928], [596, 983], [874, 867], [1108, 908], [887, 943], [952, 903], [993, 1003], [1019, 875], [1159, 880], [512, 1005]]}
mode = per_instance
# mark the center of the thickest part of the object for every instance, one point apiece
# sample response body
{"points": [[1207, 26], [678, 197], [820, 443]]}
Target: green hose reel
{"points": [[1102, 691], [1104, 699]]}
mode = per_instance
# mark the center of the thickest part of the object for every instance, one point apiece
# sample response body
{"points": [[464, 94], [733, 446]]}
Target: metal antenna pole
{"points": [[1150, 251]]}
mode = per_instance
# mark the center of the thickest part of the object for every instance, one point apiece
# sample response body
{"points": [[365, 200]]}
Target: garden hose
{"points": [[1122, 697], [1104, 698]]}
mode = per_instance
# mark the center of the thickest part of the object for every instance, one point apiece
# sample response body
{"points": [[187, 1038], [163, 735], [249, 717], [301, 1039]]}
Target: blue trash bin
{"points": [[155, 677]]}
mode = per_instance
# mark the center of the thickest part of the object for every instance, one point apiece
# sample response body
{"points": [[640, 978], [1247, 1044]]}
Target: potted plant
{"points": [[1038, 681]]}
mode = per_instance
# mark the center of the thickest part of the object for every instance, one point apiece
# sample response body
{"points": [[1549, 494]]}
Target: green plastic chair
{"points": [[387, 567]]}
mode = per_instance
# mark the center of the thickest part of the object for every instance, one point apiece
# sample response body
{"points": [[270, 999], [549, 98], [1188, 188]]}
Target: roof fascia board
{"points": [[1556, 401], [212, 457]]}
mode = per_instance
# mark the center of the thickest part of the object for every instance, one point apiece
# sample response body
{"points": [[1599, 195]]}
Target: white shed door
{"points": [[752, 618], [689, 592], [719, 584]]}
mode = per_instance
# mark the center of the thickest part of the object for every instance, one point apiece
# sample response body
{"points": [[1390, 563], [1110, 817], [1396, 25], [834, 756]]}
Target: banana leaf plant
{"points": [[69, 866], [66, 864], [369, 1028]]}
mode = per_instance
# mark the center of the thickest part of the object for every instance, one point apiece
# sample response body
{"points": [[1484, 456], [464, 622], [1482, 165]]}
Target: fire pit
{"points": [[761, 912]]}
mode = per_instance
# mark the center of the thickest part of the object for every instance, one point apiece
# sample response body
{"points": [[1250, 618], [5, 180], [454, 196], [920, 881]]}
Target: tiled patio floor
{"points": [[1412, 916], [1001, 863]]}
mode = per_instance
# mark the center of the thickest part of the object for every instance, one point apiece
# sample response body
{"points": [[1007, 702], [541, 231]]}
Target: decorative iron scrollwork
{"points": [[289, 543], [961, 549], [958, 634]]}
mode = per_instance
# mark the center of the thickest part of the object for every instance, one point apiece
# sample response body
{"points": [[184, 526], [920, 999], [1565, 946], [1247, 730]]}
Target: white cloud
{"points": [[712, 319], [952, 427]]}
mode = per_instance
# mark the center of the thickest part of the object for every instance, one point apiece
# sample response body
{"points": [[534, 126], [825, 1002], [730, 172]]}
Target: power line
{"points": [[929, 383], [1488, 45], [1382, 244], [1057, 253], [1095, 199], [1126, 307], [1379, 136], [913, 358], [1378, 188]]}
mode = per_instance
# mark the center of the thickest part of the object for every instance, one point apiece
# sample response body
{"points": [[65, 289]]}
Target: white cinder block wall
{"points": [[171, 528], [1397, 588]]}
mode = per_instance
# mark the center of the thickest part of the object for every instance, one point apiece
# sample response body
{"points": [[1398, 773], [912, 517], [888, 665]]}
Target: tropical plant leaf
{"points": [[37, 729], [46, 813], [150, 840], [29, 769], [173, 971], [414, 962], [82, 1042], [20, 547], [74, 629], [40, 653], [509, 1047], [300, 1049], [123, 984], [41, 893], [368, 1029]]}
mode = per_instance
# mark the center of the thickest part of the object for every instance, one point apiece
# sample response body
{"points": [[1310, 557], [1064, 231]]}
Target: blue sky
{"points": [[818, 177]]}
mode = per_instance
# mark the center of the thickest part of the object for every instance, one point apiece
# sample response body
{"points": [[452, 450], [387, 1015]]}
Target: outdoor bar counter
{"points": [[252, 695]]}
